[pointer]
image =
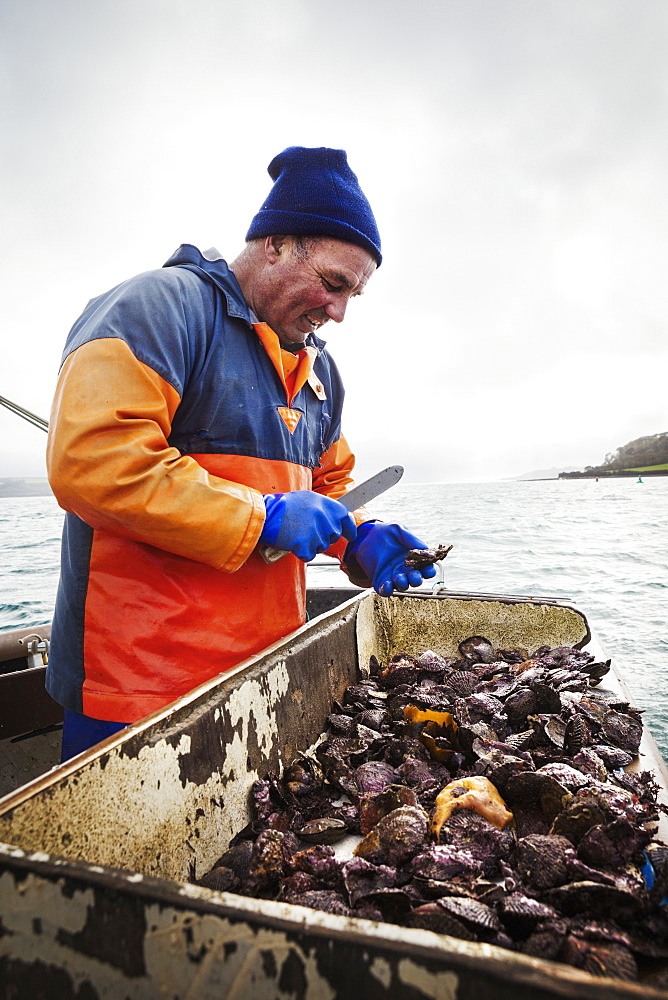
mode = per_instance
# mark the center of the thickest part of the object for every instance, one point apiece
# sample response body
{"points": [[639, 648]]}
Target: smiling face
{"points": [[303, 284]]}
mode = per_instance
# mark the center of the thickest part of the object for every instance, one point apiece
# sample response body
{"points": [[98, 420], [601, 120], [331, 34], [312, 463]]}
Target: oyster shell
{"points": [[467, 831], [269, 863], [520, 705], [539, 789], [612, 757], [419, 558], [221, 879], [326, 900], [546, 940], [589, 762]]}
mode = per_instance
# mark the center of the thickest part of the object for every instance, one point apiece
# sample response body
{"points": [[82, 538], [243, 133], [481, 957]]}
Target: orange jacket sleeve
{"points": [[110, 463]]}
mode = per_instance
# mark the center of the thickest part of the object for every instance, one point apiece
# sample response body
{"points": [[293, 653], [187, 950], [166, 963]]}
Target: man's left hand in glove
{"points": [[379, 551]]}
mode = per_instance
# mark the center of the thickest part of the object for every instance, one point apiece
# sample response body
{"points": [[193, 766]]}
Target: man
{"points": [[197, 417]]}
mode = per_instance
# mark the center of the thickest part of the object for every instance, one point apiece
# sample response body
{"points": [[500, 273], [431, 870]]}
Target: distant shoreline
{"points": [[622, 474], [30, 486], [11, 488]]}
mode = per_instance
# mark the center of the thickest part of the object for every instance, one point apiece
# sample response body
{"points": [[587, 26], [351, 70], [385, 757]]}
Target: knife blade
{"points": [[352, 500]]}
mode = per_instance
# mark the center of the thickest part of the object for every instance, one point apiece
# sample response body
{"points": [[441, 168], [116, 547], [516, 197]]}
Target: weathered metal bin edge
{"points": [[143, 937]]}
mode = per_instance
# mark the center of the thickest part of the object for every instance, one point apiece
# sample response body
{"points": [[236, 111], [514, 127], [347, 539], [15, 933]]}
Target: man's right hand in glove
{"points": [[305, 523]]}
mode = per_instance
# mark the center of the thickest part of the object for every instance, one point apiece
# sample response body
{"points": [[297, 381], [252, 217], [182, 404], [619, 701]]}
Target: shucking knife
{"points": [[352, 500]]}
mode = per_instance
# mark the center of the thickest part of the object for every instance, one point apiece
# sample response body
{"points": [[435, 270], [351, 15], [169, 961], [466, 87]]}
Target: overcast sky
{"points": [[515, 153]]}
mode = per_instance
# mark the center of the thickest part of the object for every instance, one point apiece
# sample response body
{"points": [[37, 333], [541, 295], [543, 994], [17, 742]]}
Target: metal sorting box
{"points": [[98, 854]]}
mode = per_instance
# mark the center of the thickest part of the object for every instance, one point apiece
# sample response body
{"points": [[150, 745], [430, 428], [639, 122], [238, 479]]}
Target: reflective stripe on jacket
{"points": [[171, 419]]}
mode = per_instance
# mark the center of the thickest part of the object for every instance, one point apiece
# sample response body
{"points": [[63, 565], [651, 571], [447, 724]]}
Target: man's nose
{"points": [[336, 308]]}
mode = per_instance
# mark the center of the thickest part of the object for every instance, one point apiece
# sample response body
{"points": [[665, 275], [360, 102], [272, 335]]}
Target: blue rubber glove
{"points": [[380, 550], [304, 523]]}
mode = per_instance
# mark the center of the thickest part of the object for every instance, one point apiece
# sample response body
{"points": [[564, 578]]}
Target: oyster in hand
{"points": [[419, 558]]}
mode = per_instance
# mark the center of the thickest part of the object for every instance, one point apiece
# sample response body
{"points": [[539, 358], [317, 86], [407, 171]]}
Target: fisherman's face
{"points": [[302, 292]]}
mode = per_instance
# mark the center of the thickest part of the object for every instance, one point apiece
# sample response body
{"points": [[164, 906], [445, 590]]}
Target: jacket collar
{"points": [[211, 267], [216, 272]]}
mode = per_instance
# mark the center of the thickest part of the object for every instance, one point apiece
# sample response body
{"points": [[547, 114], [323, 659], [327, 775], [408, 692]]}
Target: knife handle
{"points": [[270, 554]]}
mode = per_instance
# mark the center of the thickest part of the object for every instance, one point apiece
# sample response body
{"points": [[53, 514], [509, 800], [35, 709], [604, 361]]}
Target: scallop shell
{"points": [[431, 917], [374, 805], [600, 959], [397, 837], [471, 911], [461, 682], [614, 902], [521, 913]]}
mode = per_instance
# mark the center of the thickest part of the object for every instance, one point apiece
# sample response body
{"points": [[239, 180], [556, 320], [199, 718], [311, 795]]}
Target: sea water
{"points": [[601, 545]]}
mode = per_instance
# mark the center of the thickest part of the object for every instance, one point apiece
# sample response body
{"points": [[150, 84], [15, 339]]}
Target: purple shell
{"points": [[374, 776]]}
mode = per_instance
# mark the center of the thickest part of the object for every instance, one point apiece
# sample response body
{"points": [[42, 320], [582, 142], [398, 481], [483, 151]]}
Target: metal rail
{"points": [[32, 418]]}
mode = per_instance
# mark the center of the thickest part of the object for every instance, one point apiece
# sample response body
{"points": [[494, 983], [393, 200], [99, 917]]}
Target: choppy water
{"points": [[602, 545]]}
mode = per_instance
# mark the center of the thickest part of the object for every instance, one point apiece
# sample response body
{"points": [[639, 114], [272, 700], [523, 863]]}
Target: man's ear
{"points": [[273, 247]]}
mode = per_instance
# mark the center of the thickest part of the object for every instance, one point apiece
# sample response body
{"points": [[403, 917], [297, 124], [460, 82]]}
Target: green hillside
{"points": [[647, 454]]}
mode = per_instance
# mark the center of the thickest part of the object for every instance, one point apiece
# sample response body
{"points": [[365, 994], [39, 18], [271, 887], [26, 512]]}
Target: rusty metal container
{"points": [[96, 898]]}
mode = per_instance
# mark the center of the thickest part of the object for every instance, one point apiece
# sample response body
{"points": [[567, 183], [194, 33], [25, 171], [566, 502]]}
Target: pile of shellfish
{"points": [[487, 798]]}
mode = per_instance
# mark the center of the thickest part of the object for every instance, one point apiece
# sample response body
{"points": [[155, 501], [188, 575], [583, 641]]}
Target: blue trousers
{"points": [[81, 732]]}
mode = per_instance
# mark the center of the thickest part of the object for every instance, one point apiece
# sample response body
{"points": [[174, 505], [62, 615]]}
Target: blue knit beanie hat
{"points": [[315, 193]]}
